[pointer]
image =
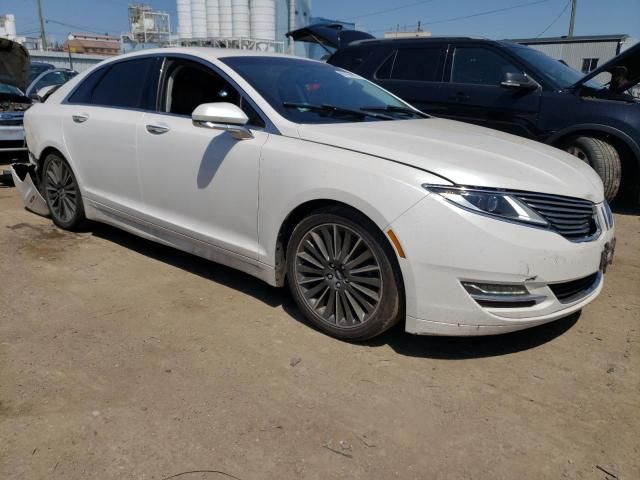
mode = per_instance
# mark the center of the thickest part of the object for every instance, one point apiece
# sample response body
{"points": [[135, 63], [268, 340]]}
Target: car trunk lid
{"points": [[332, 35]]}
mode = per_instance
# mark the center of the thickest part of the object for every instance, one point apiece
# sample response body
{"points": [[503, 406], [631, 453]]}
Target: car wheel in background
{"points": [[603, 158], [343, 275], [62, 194]]}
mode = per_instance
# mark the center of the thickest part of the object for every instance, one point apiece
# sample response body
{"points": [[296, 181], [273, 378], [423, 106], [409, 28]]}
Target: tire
{"points": [[350, 289], [603, 158], [61, 192]]}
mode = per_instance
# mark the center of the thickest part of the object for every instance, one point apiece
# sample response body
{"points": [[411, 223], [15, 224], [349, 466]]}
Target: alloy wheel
{"points": [[578, 152], [61, 190], [338, 275]]}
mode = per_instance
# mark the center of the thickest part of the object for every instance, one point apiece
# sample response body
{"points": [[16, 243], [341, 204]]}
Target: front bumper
{"points": [[445, 245]]}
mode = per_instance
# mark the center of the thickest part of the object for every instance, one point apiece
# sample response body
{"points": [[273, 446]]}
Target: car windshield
{"points": [[36, 69], [10, 90], [555, 71], [305, 91]]}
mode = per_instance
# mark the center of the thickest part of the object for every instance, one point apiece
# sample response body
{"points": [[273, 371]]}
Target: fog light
{"points": [[475, 288], [501, 296]]}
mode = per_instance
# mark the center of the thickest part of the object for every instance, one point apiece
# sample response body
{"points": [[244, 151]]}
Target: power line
{"points": [[464, 17], [487, 12], [554, 20], [77, 27], [394, 9]]}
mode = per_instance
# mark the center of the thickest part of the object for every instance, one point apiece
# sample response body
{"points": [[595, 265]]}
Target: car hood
{"points": [[14, 64], [465, 155], [629, 59]]}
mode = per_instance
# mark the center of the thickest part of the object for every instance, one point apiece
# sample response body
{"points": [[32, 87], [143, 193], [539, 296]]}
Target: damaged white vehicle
{"points": [[299, 172]]}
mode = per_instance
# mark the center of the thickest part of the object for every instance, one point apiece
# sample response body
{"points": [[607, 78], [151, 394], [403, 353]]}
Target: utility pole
{"points": [[574, 6], [43, 37]]}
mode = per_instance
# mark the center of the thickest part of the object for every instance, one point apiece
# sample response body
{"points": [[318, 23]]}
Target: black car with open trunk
{"points": [[508, 87]]}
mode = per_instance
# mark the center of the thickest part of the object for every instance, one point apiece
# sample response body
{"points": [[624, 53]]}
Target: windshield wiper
{"points": [[336, 109], [397, 109]]}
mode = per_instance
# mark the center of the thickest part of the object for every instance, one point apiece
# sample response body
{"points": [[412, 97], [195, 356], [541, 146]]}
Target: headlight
{"points": [[489, 202]]}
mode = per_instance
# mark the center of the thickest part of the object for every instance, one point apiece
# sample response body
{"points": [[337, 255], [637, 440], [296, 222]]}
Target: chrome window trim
{"points": [[269, 128], [66, 101]]}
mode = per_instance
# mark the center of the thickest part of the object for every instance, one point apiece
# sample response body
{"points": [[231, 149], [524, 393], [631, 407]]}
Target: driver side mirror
{"points": [[222, 116], [518, 81]]}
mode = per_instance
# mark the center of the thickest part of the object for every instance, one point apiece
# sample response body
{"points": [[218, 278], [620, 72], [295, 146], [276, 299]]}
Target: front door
{"points": [[196, 181], [474, 94]]}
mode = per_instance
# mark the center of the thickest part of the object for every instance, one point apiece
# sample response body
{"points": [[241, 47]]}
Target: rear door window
{"points": [[480, 66], [414, 64], [351, 60], [129, 84]]}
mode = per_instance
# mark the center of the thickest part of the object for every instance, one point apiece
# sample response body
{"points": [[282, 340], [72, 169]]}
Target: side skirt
{"points": [[111, 216]]}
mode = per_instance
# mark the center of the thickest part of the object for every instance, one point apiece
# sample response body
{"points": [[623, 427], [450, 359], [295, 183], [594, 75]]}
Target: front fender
{"points": [[294, 172]]}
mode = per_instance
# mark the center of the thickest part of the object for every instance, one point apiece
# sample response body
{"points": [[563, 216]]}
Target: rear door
{"points": [[100, 123], [473, 91], [414, 73]]}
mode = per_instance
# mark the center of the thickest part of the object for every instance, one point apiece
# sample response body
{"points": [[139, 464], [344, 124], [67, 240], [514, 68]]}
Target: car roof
{"points": [[208, 53], [419, 41]]}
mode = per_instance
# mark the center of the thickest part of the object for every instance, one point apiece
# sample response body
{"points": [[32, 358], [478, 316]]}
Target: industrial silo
{"points": [[241, 21], [184, 19], [226, 18], [199, 18], [263, 19], [213, 18]]}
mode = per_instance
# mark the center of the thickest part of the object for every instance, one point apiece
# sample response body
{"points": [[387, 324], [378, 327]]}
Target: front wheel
{"points": [[603, 158], [343, 276], [62, 194]]}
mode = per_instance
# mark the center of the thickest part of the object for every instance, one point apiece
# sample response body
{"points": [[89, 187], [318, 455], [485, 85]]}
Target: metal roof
{"points": [[619, 37]]}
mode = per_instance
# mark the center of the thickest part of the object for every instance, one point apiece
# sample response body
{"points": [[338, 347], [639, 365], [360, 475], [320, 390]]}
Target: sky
{"points": [[508, 18]]}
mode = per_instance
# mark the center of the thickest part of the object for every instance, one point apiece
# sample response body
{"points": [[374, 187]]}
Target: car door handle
{"points": [[157, 129], [80, 118]]}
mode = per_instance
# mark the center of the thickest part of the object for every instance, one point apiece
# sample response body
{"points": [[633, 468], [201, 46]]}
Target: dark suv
{"points": [[509, 87]]}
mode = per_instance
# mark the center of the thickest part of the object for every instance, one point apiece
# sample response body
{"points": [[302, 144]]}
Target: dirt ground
{"points": [[122, 359]]}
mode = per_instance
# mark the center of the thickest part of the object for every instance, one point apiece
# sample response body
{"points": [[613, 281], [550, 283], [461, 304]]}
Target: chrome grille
{"points": [[11, 123], [573, 218]]}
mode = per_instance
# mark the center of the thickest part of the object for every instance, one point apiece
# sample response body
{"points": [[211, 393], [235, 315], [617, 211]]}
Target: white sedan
{"points": [[299, 172]]}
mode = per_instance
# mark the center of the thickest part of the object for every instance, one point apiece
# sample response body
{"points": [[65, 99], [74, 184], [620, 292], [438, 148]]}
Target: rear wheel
{"points": [[61, 192], [343, 277], [603, 158]]}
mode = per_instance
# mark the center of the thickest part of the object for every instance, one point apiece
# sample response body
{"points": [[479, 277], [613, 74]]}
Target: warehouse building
{"points": [[583, 53]]}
